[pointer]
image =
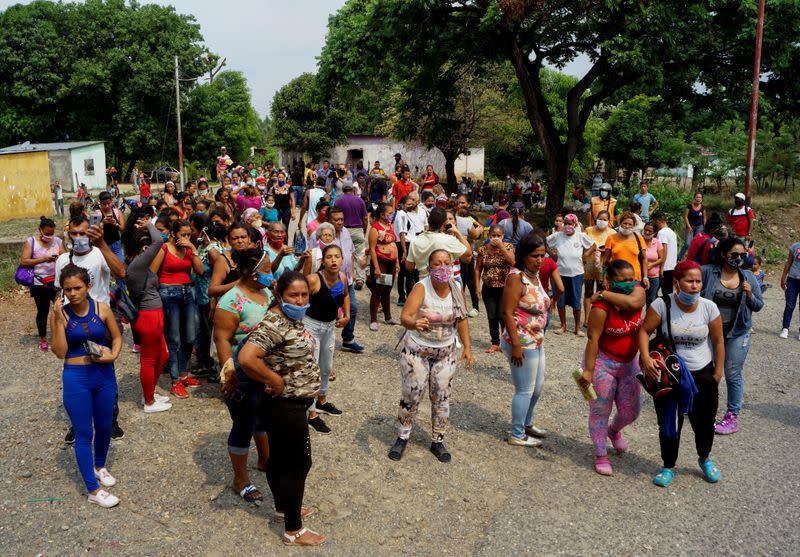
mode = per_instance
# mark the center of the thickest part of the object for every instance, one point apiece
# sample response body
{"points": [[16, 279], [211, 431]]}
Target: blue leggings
{"points": [[89, 395]]}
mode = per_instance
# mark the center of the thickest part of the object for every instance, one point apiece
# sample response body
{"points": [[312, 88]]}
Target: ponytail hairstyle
{"points": [[71, 270]]}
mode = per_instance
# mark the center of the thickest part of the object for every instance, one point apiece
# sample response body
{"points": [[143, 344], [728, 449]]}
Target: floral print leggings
{"points": [[614, 382], [421, 366]]}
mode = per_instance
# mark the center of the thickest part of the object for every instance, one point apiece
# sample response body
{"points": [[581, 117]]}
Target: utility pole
{"points": [[751, 135], [178, 114]]}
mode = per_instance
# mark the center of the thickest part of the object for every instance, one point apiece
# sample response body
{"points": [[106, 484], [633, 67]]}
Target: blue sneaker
{"points": [[664, 478], [710, 472], [352, 346]]}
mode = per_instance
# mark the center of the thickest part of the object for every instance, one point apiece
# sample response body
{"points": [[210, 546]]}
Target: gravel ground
{"points": [[492, 499]]}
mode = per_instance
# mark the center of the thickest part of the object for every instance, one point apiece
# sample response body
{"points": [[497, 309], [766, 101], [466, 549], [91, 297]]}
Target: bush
{"points": [[672, 201]]}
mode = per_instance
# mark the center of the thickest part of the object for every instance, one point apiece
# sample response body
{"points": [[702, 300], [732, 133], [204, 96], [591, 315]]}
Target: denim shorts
{"points": [[573, 286]]}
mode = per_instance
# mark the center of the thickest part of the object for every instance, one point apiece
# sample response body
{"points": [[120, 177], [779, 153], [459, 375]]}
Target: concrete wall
{"points": [[416, 155], [97, 153], [61, 168], [24, 186]]}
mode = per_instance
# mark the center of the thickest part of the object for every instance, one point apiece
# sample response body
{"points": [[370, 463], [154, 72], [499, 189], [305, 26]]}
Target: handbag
{"points": [[24, 275], [665, 356]]}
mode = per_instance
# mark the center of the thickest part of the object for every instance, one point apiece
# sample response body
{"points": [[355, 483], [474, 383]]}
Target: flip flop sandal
{"points": [[580, 334], [293, 539], [560, 332], [664, 478], [252, 495], [304, 512]]}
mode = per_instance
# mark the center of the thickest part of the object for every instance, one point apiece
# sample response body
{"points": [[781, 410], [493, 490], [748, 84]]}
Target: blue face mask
{"points": [[81, 244], [281, 183], [164, 237], [265, 279], [294, 312], [688, 299]]}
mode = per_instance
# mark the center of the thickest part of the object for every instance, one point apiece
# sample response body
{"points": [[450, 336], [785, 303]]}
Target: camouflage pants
{"points": [[421, 366]]}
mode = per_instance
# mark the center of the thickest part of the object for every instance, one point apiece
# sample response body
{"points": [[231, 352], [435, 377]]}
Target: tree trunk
{"points": [[558, 174], [450, 173], [131, 164]]}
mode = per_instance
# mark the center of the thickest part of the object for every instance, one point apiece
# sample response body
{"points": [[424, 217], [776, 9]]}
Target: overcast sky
{"points": [[283, 40]]}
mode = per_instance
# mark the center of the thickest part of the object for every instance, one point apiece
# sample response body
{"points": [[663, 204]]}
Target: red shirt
{"points": [[700, 249], [400, 189], [620, 338], [175, 270], [740, 219], [548, 266], [430, 181], [145, 190]]}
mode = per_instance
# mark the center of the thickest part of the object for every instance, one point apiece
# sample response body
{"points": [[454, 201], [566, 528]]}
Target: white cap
{"points": [[740, 195]]}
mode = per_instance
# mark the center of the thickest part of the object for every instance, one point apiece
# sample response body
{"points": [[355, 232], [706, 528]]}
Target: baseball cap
{"points": [[740, 195], [347, 187]]}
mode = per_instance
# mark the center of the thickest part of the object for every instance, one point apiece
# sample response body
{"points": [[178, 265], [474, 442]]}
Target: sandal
{"points": [[252, 495], [580, 334], [664, 478], [492, 349], [332, 376], [304, 512], [560, 331], [294, 539]]}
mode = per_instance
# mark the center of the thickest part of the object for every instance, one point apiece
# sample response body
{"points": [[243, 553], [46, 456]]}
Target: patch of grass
{"points": [[9, 259]]}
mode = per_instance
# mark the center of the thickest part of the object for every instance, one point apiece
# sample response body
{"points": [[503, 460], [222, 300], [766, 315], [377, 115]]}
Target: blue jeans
{"points": [[348, 332], [89, 396], [243, 408], [792, 293], [323, 332], [736, 350], [528, 383], [298, 191], [180, 326], [690, 234], [652, 290]]}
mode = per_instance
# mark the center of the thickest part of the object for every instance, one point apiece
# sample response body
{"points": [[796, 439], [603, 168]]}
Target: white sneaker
{"points": [[526, 441], [373, 326], [784, 333], [104, 499], [104, 477], [157, 397], [473, 313], [157, 406]]}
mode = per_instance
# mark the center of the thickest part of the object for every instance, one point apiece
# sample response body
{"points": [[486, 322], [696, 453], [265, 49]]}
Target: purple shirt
{"points": [[355, 211]]}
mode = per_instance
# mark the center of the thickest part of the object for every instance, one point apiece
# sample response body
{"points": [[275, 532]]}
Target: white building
{"points": [[369, 148]]}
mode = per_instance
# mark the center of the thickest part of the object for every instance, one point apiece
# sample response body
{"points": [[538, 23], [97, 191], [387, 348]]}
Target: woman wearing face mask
{"points": [[319, 218], [325, 235], [239, 310], [142, 247], [205, 363], [628, 246], [284, 200], [697, 332], [253, 218], [268, 212], [593, 270], [655, 254], [89, 383], [525, 308], [328, 296], [434, 314], [278, 356], [571, 247], [610, 362], [173, 264], [40, 253], [737, 295], [384, 265], [495, 259]]}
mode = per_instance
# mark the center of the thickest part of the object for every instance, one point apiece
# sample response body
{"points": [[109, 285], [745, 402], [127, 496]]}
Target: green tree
{"points": [[302, 121], [628, 44], [102, 69], [221, 113]]}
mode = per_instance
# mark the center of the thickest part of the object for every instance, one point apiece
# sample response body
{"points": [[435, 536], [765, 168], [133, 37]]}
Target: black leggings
{"points": [[289, 454], [704, 410], [380, 293], [493, 300], [43, 296], [666, 283], [468, 279], [405, 279]]}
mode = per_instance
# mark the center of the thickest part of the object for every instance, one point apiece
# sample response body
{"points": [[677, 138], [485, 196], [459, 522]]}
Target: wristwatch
{"points": [[600, 295]]}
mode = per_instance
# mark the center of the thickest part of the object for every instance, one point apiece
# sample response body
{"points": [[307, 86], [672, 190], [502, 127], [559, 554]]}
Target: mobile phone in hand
{"points": [[95, 220]]}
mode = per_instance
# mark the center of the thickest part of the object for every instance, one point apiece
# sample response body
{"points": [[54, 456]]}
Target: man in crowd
{"points": [[740, 218], [355, 221], [604, 202], [403, 187], [647, 199]]}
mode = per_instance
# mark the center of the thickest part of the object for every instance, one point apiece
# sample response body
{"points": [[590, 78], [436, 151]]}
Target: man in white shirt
{"points": [[417, 215], [670, 241], [59, 197], [98, 260]]}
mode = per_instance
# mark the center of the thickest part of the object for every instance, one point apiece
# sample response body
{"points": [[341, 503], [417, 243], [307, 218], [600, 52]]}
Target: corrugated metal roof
{"points": [[28, 147]]}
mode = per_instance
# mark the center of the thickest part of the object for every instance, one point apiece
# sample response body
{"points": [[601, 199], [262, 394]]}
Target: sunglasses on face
{"points": [[737, 255]]}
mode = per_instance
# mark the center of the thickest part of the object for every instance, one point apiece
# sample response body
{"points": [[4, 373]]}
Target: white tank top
{"points": [[440, 314]]}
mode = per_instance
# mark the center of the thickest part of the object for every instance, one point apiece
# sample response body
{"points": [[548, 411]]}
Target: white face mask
{"points": [[601, 224], [625, 231]]}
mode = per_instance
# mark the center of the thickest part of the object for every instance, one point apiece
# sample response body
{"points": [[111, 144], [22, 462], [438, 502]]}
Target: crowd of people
{"points": [[215, 274]]}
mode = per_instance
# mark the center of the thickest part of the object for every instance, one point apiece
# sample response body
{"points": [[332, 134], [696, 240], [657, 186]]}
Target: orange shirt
{"points": [[401, 189], [628, 250]]}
